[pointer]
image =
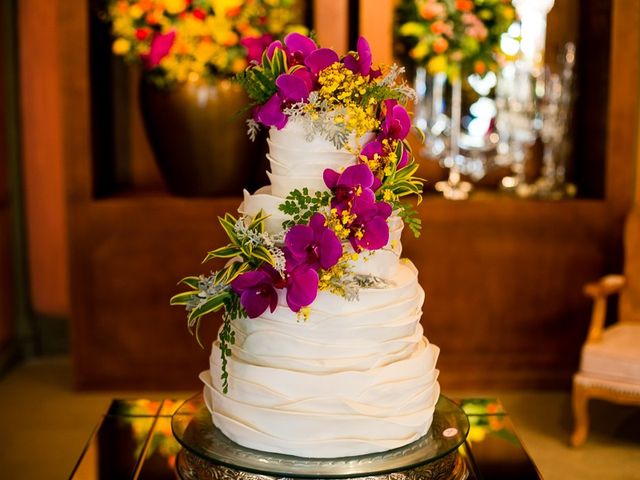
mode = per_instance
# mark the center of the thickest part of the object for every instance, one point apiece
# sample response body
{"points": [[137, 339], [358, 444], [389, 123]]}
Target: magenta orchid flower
{"points": [[257, 290], [255, 46], [302, 287], [396, 123], [314, 245], [292, 88], [355, 181], [160, 47], [369, 230], [360, 63], [296, 46], [321, 59], [376, 147]]}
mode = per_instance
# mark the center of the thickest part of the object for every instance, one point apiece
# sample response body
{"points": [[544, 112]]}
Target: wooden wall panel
{"points": [[7, 281], [43, 172], [624, 97], [332, 23]]}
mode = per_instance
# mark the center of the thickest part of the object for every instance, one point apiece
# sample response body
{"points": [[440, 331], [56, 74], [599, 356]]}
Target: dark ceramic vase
{"points": [[198, 137]]}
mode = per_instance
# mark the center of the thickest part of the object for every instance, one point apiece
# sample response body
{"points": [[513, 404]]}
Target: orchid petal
{"points": [[372, 148], [254, 303], [249, 280], [364, 56], [317, 221], [270, 114], [159, 48], [330, 178], [306, 77], [298, 238], [302, 288], [329, 248], [321, 59], [375, 234], [351, 63], [296, 42], [292, 88], [272, 48], [356, 175]]}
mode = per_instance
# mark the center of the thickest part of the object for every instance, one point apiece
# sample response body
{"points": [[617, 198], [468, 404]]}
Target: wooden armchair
{"points": [[610, 360]]}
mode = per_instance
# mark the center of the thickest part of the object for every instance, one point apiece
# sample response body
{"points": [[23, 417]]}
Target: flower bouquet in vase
{"points": [[451, 45], [189, 51]]}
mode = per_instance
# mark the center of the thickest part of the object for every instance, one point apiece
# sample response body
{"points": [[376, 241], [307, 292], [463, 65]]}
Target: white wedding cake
{"points": [[358, 376], [321, 352]]}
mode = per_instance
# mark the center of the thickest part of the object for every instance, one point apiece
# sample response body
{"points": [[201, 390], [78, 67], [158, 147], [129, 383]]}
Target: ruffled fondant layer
{"points": [[357, 377]]}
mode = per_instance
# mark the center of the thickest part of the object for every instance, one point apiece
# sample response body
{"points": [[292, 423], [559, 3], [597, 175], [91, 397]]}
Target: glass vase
{"points": [[454, 188]]}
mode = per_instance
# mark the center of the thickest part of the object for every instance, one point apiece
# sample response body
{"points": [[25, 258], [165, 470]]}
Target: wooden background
{"points": [[503, 276]]}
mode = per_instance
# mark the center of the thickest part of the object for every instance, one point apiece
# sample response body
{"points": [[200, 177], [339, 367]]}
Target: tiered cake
{"points": [[322, 353]]}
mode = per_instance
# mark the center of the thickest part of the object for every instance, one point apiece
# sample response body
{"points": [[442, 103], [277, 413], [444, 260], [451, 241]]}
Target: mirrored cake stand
{"points": [[208, 454]]}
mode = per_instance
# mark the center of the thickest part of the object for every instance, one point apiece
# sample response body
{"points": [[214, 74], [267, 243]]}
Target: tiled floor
{"points": [[44, 424]]}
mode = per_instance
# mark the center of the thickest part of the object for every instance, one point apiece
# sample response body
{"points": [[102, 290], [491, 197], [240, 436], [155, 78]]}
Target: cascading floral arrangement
{"points": [[453, 36], [180, 40], [337, 98]]}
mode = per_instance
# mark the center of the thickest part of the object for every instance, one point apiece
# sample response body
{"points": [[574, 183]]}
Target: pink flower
{"points": [[255, 46], [314, 245], [160, 47], [257, 290]]}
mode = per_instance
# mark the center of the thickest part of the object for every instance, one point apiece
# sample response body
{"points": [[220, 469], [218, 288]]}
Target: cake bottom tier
{"points": [[360, 412]]}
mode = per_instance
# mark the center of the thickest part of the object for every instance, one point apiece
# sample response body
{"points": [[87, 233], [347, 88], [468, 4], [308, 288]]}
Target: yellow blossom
{"points": [[121, 46], [135, 11], [303, 313], [437, 64], [175, 6]]}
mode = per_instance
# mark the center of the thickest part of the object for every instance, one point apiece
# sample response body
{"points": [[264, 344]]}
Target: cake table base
{"points": [[208, 454], [193, 467]]}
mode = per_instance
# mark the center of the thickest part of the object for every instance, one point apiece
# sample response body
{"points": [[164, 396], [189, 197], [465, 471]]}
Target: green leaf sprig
{"points": [[300, 205]]}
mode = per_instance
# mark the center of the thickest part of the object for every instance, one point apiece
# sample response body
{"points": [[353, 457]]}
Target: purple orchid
{"points": [[302, 287], [360, 63], [257, 290], [255, 46], [292, 88], [321, 59], [369, 230], [314, 245], [160, 47], [376, 147], [298, 47], [396, 123], [355, 181]]}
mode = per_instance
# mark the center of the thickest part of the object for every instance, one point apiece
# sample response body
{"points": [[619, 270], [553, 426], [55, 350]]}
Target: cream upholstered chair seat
{"points": [[615, 356], [610, 362]]}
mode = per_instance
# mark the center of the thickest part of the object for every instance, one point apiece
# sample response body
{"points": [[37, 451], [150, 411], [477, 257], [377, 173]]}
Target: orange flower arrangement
{"points": [[180, 40], [448, 36]]}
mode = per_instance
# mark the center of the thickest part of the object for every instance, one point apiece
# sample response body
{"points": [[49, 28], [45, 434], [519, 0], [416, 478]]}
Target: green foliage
{"points": [[260, 80], [206, 295], [410, 218], [227, 337], [244, 244], [301, 205]]}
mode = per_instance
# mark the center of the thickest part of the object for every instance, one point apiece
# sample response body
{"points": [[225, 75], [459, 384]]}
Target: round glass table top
{"points": [[194, 429]]}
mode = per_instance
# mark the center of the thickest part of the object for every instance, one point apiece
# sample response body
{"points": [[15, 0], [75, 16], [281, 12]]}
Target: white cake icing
{"points": [[358, 376]]}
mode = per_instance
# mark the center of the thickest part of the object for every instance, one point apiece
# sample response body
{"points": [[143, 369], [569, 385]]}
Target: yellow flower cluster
{"points": [[341, 87], [382, 165], [330, 279], [339, 223]]}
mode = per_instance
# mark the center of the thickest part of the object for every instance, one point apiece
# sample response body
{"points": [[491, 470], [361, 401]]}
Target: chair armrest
{"points": [[607, 285], [599, 291]]}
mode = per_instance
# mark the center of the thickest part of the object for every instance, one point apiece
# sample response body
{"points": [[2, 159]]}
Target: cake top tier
{"points": [[341, 166]]}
